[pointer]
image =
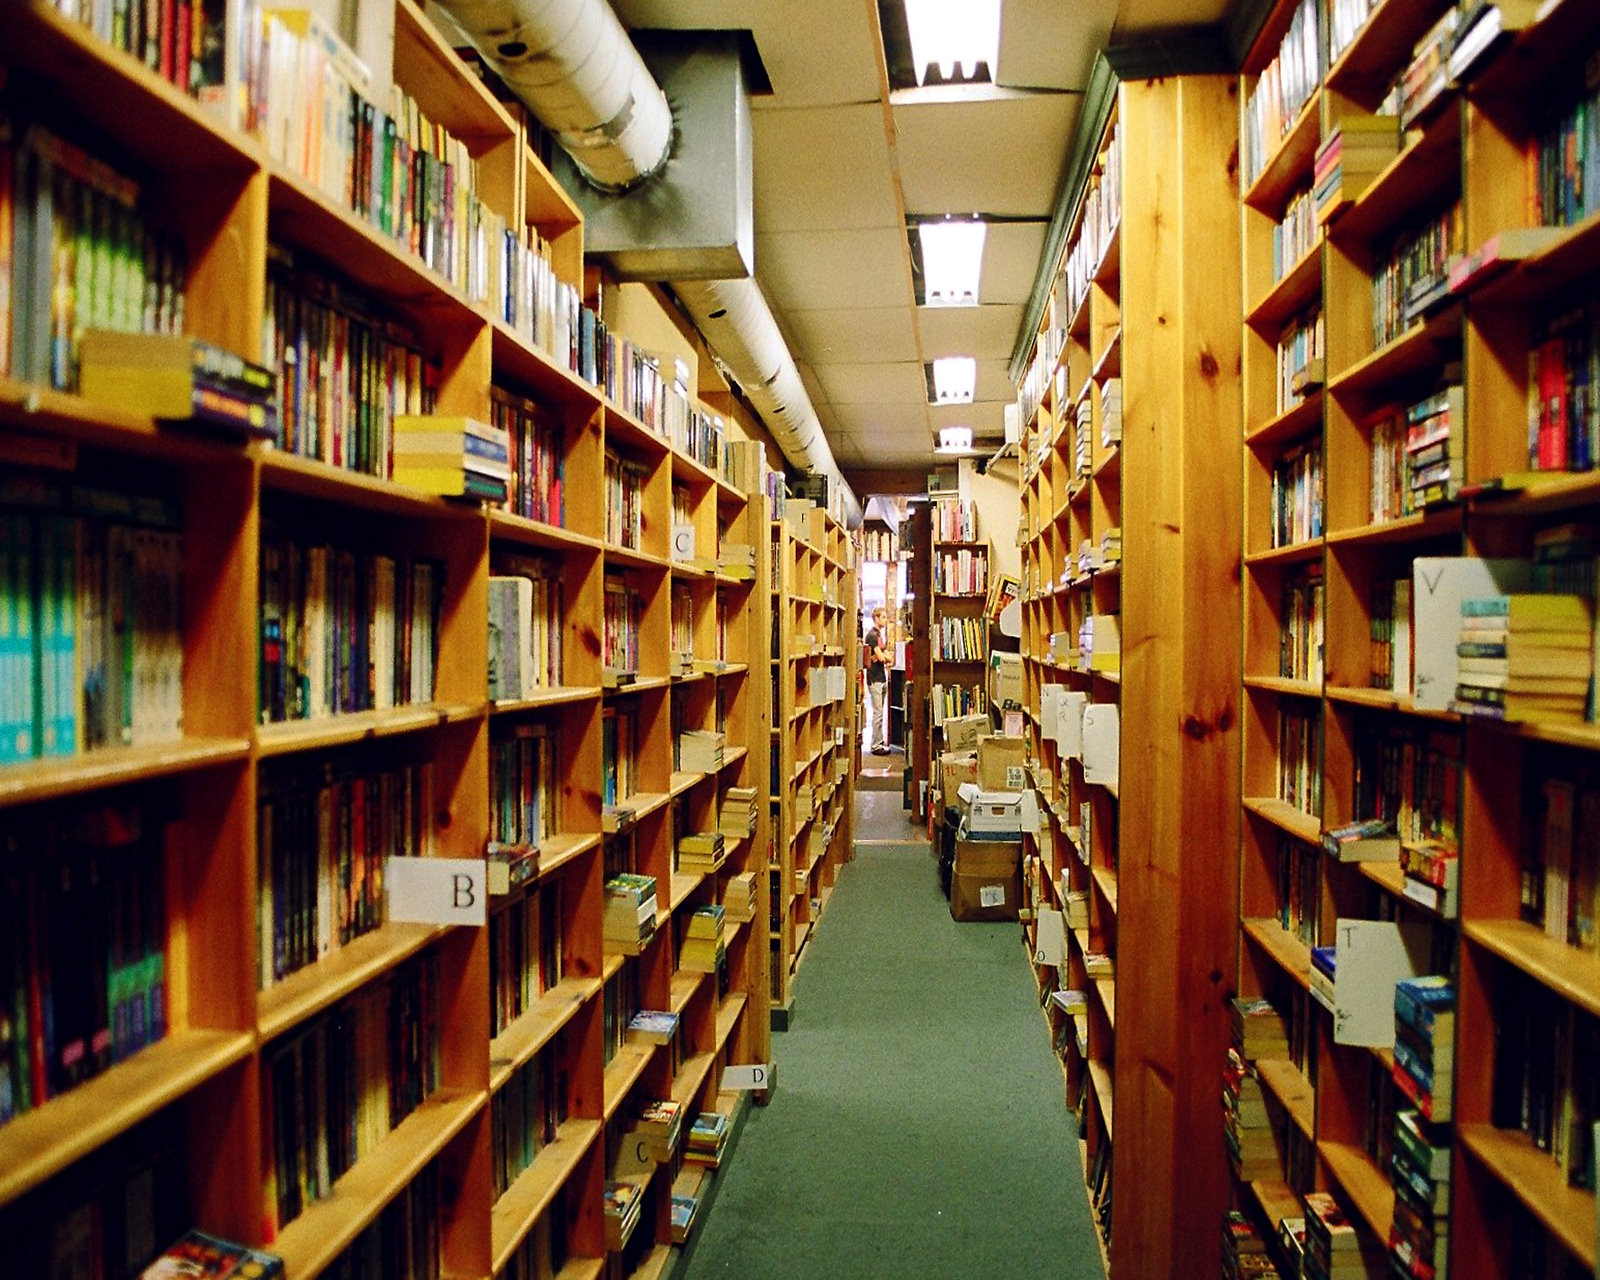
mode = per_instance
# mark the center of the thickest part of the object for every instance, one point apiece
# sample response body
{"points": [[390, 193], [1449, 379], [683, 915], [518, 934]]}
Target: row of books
{"points": [[525, 1114], [1298, 867], [526, 625], [1564, 159], [952, 700], [619, 1001], [1417, 455], [964, 572], [1301, 359], [80, 252], [1410, 777], [524, 797], [83, 962], [1299, 759], [960, 640], [1293, 237], [622, 617], [619, 736], [880, 544], [954, 520], [90, 589], [1389, 622], [1424, 1068], [624, 500], [1560, 883], [1300, 650], [1296, 496], [1283, 88], [344, 630], [1102, 214], [538, 458], [526, 955], [404, 1242], [338, 1084], [324, 832], [1563, 394], [1415, 276], [1423, 83]]}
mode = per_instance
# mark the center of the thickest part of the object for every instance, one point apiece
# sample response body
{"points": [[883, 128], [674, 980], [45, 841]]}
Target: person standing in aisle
{"points": [[876, 651]]}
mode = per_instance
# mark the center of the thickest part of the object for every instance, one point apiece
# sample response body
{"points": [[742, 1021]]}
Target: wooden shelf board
{"points": [[1288, 1084], [1536, 1180], [560, 696], [1294, 553], [582, 1269], [1109, 268], [626, 431], [1368, 1187], [60, 776], [1277, 1201], [1299, 419], [1109, 362], [692, 470], [691, 1076], [1425, 167], [1381, 49], [1425, 345], [1287, 951], [325, 1227], [733, 1004], [1289, 166], [316, 987], [40, 1143], [1109, 467], [633, 558], [1100, 1078], [57, 422], [640, 684], [1282, 685], [1106, 989], [289, 736], [558, 850], [1570, 973], [1284, 816], [1106, 880], [516, 1211], [536, 1027], [623, 1072], [1298, 288], [1419, 527], [681, 782], [682, 989], [683, 884], [505, 525], [1539, 493], [517, 358], [1384, 700]]}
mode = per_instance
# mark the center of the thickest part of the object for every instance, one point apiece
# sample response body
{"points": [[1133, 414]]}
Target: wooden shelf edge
{"points": [[515, 1213], [1535, 1179], [314, 988]]}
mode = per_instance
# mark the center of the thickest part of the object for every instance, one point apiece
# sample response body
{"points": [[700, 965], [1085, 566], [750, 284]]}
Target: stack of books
{"points": [[708, 1134], [660, 1126], [1081, 452], [1252, 1142], [1419, 1237], [1365, 840], [177, 378], [1424, 1043], [623, 1203], [1111, 413], [1100, 643], [739, 897], [737, 560], [1088, 556], [630, 914], [1324, 962], [1433, 448], [1425, 80], [684, 1209], [1111, 546], [701, 851], [453, 457], [1244, 1250], [200, 1255], [652, 1026], [703, 949], [1432, 870], [1357, 151], [1258, 1030], [700, 750], [1334, 1251], [737, 819], [1524, 657]]}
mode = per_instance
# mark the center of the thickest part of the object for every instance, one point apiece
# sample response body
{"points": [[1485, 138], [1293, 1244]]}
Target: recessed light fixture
{"points": [[952, 379], [952, 261], [954, 36], [955, 440]]}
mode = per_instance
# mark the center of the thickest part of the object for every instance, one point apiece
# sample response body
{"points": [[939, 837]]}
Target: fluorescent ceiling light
{"points": [[952, 260], [955, 378], [951, 34], [955, 440]]}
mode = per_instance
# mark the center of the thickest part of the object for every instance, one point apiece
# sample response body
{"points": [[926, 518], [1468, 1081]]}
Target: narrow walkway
{"points": [[918, 1128]]}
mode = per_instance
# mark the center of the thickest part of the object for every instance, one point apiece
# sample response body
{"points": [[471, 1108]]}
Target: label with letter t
{"points": [[437, 890]]}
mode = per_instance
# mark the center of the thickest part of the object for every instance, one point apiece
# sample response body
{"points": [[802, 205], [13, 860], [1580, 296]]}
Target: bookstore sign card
{"points": [[437, 890]]}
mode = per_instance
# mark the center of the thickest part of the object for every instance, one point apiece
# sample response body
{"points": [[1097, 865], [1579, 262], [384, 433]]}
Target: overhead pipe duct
{"points": [[573, 65]]}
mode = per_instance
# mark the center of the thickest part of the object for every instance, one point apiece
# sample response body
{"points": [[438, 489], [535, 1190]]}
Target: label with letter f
{"points": [[437, 890]]}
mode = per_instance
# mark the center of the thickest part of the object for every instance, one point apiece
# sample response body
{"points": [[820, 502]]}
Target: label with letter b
{"points": [[437, 890]]}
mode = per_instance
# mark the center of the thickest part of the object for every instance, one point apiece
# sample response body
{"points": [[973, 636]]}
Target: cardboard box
{"points": [[986, 881], [1005, 679], [963, 733], [999, 815], [956, 767], [1003, 764]]}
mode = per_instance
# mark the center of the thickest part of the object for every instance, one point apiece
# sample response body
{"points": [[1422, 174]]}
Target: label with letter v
{"points": [[437, 890]]}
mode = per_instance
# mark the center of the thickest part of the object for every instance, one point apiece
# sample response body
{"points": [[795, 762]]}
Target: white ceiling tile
{"points": [[1045, 44], [887, 419], [1003, 153], [815, 270], [822, 168], [994, 381], [1011, 252], [1134, 16], [985, 417], [872, 384], [814, 388], [986, 333], [883, 333]]}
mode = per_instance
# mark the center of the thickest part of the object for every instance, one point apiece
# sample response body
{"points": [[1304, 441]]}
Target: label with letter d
{"points": [[437, 890], [755, 1075]]}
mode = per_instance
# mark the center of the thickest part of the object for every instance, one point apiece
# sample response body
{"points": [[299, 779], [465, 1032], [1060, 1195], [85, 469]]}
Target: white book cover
{"points": [[1438, 586]]}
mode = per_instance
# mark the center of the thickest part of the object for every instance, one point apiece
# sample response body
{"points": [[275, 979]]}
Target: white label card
{"points": [[992, 895], [754, 1075], [437, 890]]}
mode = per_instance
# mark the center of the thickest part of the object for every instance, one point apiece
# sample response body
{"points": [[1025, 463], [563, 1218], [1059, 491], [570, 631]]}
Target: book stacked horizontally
{"points": [[652, 1026], [453, 457], [701, 750], [1424, 1043], [1244, 1249], [177, 378], [660, 1126], [702, 851], [1111, 413], [1334, 1249], [1366, 840], [703, 945], [1524, 656], [684, 1209], [1111, 546], [1434, 448], [1432, 870], [203, 1257], [739, 897], [737, 818], [1419, 1237], [1357, 151], [1258, 1030], [708, 1134], [624, 1200], [630, 914], [1247, 1124]]}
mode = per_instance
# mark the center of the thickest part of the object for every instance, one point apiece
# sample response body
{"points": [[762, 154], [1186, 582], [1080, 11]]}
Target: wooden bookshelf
{"points": [[231, 205]]}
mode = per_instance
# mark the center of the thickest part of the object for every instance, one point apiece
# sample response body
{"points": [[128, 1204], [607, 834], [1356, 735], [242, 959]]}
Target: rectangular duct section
{"points": [[694, 219]]}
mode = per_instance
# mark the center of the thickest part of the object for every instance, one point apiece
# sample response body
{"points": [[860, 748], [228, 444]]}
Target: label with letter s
{"points": [[437, 890]]}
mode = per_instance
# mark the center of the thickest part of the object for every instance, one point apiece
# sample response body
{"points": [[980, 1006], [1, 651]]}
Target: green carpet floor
{"points": [[918, 1128]]}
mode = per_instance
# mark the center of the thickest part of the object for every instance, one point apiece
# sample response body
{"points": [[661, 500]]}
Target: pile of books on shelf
{"points": [[1111, 546], [1244, 1250], [737, 560], [700, 750], [1088, 557], [660, 1126], [1419, 1237], [1424, 1044], [1432, 869], [652, 1027], [737, 818], [1334, 1250], [708, 1134], [176, 378], [206, 1257], [1365, 840], [1100, 643], [1357, 151], [701, 851], [1111, 413], [1293, 237], [1073, 1004], [452, 457], [1434, 448], [685, 1208], [624, 1201], [704, 949], [1423, 85], [1525, 656], [630, 911], [1247, 1124], [739, 897], [1082, 447]]}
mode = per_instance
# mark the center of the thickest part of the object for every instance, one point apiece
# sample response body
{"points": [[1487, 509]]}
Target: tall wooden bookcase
{"points": [[815, 731], [958, 626], [211, 1071], [1141, 865], [1512, 1211]]}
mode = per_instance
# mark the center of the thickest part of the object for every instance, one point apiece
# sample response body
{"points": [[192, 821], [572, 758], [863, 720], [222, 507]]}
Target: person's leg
{"points": [[877, 729]]}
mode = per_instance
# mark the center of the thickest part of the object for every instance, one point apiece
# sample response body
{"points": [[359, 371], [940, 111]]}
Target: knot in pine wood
{"points": [[1208, 366]]}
